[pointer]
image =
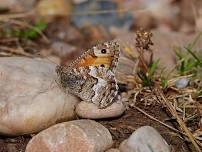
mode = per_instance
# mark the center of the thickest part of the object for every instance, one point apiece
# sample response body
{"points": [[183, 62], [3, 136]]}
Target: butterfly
{"points": [[91, 77]]}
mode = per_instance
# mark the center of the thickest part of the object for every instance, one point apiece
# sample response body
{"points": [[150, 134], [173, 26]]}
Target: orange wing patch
{"points": [[95, 61], [103, 61], [87, 61]]}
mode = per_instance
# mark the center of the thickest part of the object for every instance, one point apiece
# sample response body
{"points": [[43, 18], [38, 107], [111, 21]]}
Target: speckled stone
{"points": [[30, 98], [73, 136]]}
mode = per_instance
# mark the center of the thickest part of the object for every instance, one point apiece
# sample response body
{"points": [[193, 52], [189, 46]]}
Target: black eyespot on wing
{"points": [[102, 65], [103, 51]]}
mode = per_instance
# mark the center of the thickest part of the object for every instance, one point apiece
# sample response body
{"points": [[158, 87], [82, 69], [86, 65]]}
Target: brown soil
{"points": [[120, 128], [15, 144]]}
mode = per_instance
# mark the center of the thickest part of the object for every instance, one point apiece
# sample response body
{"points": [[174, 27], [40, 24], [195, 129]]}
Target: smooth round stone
{"points": [[91, 111], [182, 83], [30, 98], [73, 136], [145, 139]]}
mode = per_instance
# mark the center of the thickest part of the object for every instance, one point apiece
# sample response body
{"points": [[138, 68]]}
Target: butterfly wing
{"points": [[91, 76], [105, 55]]}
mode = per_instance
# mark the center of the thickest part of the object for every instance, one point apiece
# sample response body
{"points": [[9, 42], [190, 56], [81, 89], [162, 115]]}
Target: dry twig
{"points": [[179, 120]]}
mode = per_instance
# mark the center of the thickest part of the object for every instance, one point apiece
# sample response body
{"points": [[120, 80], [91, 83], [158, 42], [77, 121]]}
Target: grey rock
{"points": [[182, 83], [145, 139], [30, 98]]}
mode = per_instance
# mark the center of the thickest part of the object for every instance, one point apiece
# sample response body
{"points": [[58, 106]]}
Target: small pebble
{"points": [[91, 111], [182, 83]]}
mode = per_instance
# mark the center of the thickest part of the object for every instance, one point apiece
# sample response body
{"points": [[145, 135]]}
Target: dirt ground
{"points": [[120, 128]]}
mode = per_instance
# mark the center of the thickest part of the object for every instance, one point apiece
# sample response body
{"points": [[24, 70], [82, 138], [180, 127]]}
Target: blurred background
{"points": [[61, 28]]}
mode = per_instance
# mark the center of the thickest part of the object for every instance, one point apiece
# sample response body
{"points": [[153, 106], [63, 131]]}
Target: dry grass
{"points": [[182, 104]]}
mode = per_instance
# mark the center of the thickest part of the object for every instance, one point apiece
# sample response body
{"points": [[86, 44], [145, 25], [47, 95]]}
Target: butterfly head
{"points": [[104, 50]]}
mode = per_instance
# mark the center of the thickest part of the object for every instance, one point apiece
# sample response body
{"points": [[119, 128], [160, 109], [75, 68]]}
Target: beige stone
{"points": [[145, 139], [30, 98], [72, 136], [91, 111]]}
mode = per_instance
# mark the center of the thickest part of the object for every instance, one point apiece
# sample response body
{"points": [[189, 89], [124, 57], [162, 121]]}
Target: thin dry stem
{"points": [[179, 120], [8, 17], [164, 124], [18, 51]]}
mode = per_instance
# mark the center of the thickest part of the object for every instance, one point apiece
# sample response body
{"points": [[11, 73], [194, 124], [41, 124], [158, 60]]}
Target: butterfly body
{"points": [[91, 77]]}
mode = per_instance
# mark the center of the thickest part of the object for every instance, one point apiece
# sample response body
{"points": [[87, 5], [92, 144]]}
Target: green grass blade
{"points": [[153, 67], [194, 55]]}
